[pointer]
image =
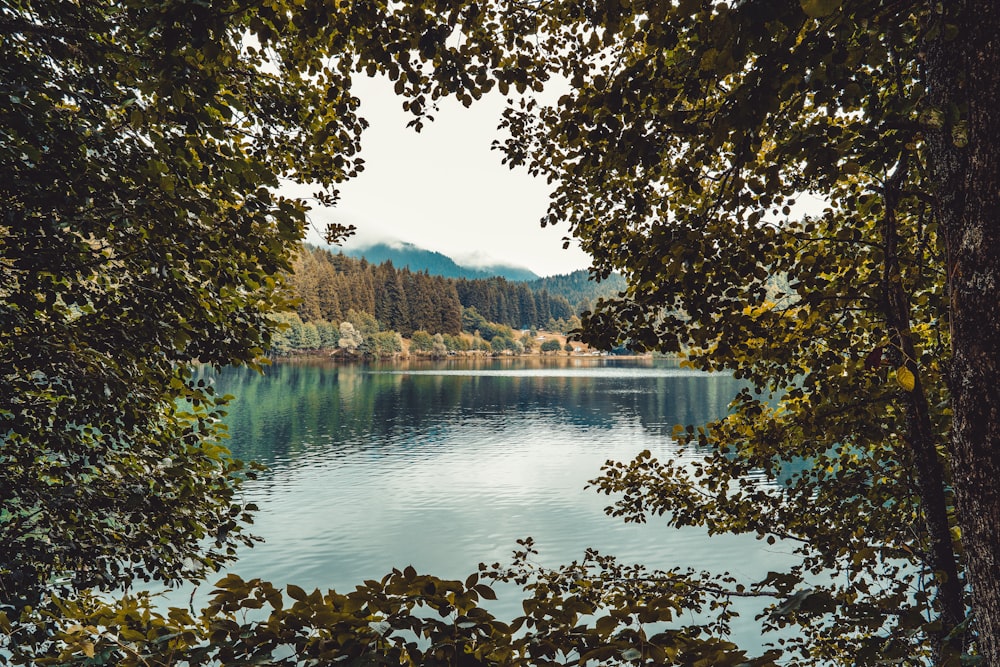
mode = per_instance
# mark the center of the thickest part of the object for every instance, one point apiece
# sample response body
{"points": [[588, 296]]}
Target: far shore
{"points": [[578, 349]]}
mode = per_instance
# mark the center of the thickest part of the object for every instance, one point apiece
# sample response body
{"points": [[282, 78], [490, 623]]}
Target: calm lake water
{"points": [[443, 465]]}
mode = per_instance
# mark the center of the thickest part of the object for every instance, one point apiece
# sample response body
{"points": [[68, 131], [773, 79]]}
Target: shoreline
{"points": [[473, 351]]}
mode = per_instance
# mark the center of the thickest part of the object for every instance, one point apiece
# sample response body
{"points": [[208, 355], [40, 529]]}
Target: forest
{"points": [[332, 288]]}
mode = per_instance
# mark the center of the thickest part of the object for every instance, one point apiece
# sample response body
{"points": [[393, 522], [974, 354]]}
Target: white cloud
{"points": [[445, 190]]}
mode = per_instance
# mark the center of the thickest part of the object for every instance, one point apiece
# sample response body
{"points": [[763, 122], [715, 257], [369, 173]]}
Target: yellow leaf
{"points": [[905, 378], [88, 649]]}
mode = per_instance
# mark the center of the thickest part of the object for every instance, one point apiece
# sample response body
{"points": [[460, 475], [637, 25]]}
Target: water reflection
{"points": [[297, 407], [445, 465]]}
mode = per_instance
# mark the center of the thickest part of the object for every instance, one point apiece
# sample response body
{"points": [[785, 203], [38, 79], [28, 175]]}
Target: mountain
{"points": [[404, 255], [575, 287]]}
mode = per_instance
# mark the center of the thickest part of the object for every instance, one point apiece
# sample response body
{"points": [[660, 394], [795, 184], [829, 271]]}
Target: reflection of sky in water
{"points": [[444, 468]]}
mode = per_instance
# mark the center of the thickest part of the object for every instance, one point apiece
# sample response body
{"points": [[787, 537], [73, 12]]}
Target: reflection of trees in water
{"points": [[296, 408], [657, 403]]}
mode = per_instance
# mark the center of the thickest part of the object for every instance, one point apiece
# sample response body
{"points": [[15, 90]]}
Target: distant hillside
{"points": [[578, 289], [407, 255], [329, 287], [575, 287]]}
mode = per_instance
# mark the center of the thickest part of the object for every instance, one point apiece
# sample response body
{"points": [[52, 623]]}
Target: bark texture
{"points": [[964, 84]]}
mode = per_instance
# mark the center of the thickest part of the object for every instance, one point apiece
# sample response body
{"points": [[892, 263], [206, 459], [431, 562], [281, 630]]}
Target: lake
{"points": [[443, 465]]}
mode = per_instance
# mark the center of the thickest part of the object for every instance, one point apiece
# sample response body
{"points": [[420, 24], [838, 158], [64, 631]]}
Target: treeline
{"points": [[361, 336], [329, 286], [578, 289], [514, 304]]}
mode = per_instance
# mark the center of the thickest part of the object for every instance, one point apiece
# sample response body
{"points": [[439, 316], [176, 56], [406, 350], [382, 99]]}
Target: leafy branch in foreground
{"points": [[596, 609]]}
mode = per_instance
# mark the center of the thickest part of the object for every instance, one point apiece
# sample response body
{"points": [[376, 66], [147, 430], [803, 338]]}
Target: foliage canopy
{"points": [[688, 133], [140, 145]]}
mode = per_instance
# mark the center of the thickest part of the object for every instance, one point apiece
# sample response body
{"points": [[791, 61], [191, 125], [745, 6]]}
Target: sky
{"points": [[443, 189]]}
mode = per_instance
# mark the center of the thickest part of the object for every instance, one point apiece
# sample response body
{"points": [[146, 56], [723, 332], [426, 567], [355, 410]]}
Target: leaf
{"points": [[606, 625], [905, 378], [296, 592], [820, 8], [874, 359], [485, 591]]}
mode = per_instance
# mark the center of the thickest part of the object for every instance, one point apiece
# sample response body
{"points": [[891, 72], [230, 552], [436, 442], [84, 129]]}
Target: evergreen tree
{"points": [[423, 307], [327, 287], [329, 335], [391, 307], [449, 307], [309, 337], [305, 284]]}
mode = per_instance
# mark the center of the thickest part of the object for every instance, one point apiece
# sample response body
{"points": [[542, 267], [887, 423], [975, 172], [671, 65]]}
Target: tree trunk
{"points": [[964, 84], [929, 470]]}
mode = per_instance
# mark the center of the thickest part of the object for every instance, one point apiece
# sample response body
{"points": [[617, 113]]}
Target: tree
{"points": [[421, 341], [350, 338], [310, 337], [305, 283], [382, 344], [329, 335], [688, 132], [456, 343], [287, 336], [448, 305], [502, 343], [473, 322], [550, 345], [391, 307], [964, 165], [142, 143], [364, 322], [439, 348], [327, 288], [141, 147]]}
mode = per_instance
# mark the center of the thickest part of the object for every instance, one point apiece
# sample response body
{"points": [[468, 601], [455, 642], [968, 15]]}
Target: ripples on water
{"points": [[444, 467]]}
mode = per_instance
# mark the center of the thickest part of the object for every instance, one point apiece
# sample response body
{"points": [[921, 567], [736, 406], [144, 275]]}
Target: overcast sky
{"points": [[445, 190]]}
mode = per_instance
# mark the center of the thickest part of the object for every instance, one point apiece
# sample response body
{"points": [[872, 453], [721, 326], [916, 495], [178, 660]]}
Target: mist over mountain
{"points": [[576, 287], [408, 255]]}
